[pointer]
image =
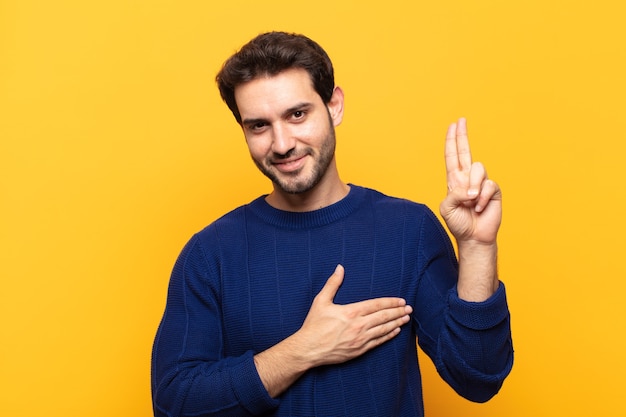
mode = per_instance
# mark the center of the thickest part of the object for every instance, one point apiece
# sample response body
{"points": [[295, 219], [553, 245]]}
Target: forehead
{"points": [[269, 95]]}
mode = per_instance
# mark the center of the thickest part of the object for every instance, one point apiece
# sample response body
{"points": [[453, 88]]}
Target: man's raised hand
{"points": [[473, 207]]}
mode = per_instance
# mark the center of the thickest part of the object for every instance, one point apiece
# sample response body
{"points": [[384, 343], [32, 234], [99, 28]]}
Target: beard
{"points": [[300, 182]]}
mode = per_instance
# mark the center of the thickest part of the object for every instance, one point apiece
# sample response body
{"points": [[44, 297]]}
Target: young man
{"points": [[308, 301]]}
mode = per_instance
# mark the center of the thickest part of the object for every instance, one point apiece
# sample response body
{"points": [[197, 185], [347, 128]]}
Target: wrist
{"points": [[281, 365], [300, 351], [474, 247], [478, 272]]}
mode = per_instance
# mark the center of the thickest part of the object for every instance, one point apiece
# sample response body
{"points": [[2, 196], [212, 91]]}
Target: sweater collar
{"points": [[308, 219]]}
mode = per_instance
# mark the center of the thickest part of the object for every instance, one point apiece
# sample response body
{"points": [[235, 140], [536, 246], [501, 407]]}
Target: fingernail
{"points": [[472, 192]]}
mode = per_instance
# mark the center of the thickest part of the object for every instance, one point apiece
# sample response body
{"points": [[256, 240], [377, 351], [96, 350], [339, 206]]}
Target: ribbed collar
{"points": [[308, 219]]}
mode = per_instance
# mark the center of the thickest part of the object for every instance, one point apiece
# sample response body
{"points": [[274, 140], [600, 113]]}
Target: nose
{"points": [[283, 140]]}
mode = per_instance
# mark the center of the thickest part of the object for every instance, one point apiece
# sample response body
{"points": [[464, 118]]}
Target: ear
{"points": [[335, 106]]}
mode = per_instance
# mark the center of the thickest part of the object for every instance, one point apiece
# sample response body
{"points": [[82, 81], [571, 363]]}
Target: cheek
{"points": [[310, 132], [313, 132], [257, 148]]}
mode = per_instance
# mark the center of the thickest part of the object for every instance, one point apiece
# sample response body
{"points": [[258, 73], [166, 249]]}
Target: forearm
{"points": [[469, 342], [478, 271], [226, 387], [475, 348]]}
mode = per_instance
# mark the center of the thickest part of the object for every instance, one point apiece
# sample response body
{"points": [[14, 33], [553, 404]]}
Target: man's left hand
{"points": [[473, 207]]}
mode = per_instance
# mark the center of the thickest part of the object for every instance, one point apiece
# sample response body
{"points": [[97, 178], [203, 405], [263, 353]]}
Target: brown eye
{"points": [[257, 126]]}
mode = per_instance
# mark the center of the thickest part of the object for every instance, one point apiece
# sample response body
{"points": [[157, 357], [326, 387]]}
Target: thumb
{"points": [[332, 285], [456, 197]]}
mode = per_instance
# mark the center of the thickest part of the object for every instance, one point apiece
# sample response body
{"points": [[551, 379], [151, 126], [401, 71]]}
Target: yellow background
{"points": [[115, 148]]}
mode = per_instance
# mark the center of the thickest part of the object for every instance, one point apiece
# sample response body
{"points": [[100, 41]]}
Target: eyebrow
{"points": [[249, 122], [305, 105], [300, 106]]}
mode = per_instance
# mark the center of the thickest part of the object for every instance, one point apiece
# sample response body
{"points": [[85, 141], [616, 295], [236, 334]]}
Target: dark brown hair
{"points": [[269, 54]]}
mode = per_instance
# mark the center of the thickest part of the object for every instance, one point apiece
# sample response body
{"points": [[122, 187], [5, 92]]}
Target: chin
{"points": [[300, 188]]}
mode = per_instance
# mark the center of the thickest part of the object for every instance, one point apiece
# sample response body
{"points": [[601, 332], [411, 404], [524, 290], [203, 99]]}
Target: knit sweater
{"points": [[247, 281]]}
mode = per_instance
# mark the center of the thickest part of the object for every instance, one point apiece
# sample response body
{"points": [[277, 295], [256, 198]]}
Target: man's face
{"points": [[288, 128]]}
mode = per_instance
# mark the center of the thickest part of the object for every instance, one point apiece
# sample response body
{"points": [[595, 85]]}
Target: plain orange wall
{"points": [[115, 148]]}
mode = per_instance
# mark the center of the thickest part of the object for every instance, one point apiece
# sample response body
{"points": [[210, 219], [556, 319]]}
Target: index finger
{"points": [[457, 151]]}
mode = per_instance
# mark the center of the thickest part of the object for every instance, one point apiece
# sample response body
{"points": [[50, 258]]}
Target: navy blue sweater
{"points": [[246, 282]]}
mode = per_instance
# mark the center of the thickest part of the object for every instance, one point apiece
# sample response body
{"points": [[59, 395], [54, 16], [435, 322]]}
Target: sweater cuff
{"points": [[249, 388], [479, 315]]}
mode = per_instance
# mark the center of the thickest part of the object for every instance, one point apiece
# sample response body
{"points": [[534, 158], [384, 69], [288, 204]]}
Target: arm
{"points": [[191, 374], [470, 339]]}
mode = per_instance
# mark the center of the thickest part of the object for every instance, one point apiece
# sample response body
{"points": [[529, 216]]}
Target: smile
{"points": [[290, 165]]}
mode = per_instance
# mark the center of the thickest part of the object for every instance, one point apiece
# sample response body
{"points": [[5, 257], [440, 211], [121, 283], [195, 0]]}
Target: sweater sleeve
{"points": [[469, 342], [190, 375]]}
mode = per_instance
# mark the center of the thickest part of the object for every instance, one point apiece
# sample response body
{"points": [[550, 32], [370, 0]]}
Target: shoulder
{"points": [[230, 224], [410, 214], [391, 204]]}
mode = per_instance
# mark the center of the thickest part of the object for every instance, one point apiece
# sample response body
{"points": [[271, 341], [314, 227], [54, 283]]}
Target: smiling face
{"points": [[290, 131]]}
